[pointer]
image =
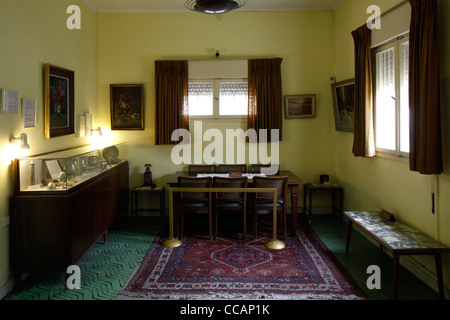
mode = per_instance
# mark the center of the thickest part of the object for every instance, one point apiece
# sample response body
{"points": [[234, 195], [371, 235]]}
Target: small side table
{"points": [[147, 189], [335, 190]]}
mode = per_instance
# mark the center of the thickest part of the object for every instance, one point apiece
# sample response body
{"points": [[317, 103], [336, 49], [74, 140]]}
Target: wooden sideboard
{"points": [[52, 230]]}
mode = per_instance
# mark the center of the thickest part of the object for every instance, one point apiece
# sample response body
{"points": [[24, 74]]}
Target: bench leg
{"points": [[437, 258], [395, 259]]}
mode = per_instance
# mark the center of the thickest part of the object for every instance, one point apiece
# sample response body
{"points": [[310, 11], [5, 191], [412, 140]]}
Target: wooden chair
{"points": [[227, 168], [256, 168], [195, 169], [195, 201], [231, 201], [263, 201]]}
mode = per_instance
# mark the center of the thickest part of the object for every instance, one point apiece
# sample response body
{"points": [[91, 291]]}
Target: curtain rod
{"points": [[218, 59], [389, 10], [195, 59], [394, 7]]}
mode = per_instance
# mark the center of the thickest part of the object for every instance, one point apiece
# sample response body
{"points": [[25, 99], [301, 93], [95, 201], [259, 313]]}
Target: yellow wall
{"points": [[377, 183], [129, 44], [33, 33], [122, 48]]}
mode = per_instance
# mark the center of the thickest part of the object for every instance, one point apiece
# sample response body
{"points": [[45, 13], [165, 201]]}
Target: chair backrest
{"points": [[279, 182], [194, 169], [230, 182], [256, 168], [227, 168], [194, 182]]}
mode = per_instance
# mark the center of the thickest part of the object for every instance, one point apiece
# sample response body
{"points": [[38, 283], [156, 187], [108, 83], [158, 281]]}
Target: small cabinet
{"points": [[53, 228]]}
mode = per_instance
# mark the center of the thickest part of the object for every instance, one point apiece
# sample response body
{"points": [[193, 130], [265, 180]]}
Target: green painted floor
{"points": [[106, 267]]}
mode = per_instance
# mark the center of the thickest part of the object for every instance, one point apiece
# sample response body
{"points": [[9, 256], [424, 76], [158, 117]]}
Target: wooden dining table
{"points": [[294, 183]]}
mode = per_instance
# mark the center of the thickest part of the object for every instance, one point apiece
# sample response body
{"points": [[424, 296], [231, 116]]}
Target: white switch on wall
{"points": [[6, 221]]}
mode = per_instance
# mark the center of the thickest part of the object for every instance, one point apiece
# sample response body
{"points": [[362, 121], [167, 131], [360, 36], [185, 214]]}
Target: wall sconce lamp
{"points": [[99, 131], [23, 141]]}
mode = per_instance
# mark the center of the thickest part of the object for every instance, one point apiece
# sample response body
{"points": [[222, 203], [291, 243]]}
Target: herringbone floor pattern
{"points": [[105, 268]]}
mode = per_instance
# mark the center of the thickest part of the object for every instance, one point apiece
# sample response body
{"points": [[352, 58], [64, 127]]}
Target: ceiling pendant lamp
{"points": [[214, 6]]}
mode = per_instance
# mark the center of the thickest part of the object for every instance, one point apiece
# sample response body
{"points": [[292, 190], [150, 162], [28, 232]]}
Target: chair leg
{"points": [[211, 237], [255, 223], [216, 221], [181, 224]]}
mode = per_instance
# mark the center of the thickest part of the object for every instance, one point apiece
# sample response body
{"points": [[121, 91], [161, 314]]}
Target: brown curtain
{"points": [[363, 138], [265, 102], [425, 155], [171, 86]]}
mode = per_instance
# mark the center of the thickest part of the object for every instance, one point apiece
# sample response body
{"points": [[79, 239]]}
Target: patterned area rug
{"points": [[229, 268]]}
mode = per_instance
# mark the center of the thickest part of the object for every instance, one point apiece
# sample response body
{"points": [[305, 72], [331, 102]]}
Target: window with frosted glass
{"points": [[385, 100], [233, 98], [404, 98], [392, 98], [218, 98], [201, 98]]}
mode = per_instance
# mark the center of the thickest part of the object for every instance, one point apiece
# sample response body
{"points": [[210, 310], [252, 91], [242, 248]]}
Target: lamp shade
{"points": [[214, 6]]}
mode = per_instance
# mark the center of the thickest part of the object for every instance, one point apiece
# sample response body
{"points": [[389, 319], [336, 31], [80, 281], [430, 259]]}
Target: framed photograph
{"points": [[343, 102], [127, 106], [59, 104], [300, 106]]}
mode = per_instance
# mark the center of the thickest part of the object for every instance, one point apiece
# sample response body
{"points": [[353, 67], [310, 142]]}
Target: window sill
{"points": [[223, 118], [389, 156]]}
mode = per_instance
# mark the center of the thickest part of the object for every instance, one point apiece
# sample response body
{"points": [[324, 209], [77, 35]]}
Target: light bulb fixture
{"points": [[23, 141], [99, 131], [214, 6]]}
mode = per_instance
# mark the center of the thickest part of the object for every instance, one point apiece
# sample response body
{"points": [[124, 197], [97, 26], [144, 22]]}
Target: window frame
{"points": [[216, 101], [397, 45]]}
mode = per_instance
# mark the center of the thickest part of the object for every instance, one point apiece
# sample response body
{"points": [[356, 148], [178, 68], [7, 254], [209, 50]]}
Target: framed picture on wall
{"points": [[127, 106], [59, 93], [343, 101], [29, 112], [300, 106]]}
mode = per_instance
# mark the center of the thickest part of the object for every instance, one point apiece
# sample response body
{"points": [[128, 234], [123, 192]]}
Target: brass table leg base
{"points": [[274, 245], [171, 243]]}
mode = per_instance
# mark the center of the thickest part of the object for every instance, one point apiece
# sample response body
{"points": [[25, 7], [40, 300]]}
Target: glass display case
{"points": [[63, 170]]}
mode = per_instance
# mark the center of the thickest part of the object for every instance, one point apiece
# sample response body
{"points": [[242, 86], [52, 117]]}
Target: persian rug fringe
{"points": [[250, 296]]}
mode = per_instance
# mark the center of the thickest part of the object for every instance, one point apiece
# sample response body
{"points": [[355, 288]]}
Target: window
{"points": [[391, 98], [218, 98]]}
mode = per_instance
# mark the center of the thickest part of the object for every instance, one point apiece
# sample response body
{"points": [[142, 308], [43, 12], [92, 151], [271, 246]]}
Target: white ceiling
{"points": [[178, 5]]}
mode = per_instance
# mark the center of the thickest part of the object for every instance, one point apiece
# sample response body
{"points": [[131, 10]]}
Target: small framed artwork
{"points": [[53, 168], [59, 101], [343, 101], [81, 126], [300, 106], [127, 106], [29, 112], [9, 101]]}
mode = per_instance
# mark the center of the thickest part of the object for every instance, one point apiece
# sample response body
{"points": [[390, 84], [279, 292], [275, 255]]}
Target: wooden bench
{"points": [[399, 239]]}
